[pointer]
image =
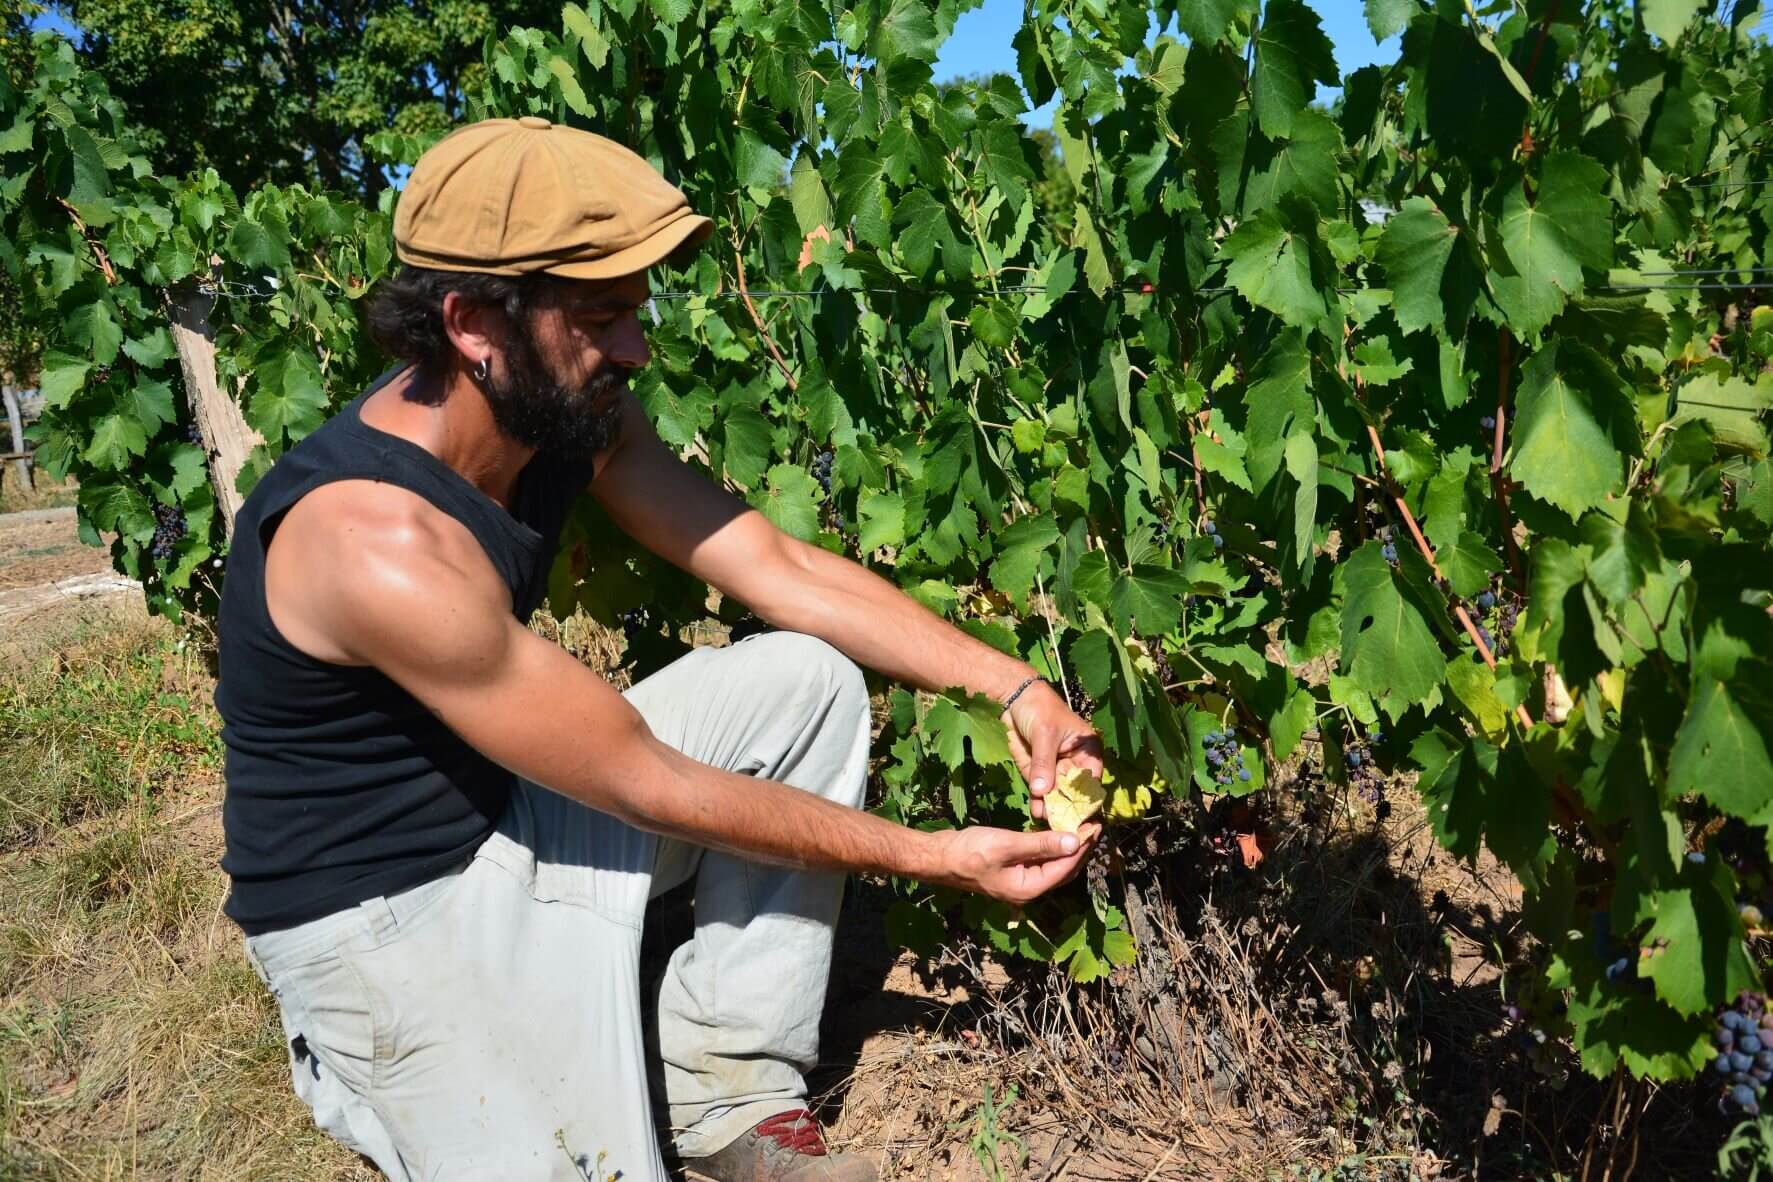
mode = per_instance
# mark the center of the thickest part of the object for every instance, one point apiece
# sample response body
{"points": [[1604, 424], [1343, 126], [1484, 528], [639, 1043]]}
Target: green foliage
{"points": [[291, 91], [95, 245], [1033, 419]]}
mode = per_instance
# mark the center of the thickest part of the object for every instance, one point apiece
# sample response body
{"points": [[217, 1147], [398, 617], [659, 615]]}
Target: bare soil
{"points": [[43, 546], [48, 576]]}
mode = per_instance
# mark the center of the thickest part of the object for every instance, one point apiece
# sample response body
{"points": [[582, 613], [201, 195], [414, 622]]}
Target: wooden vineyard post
{"points": [[16, 421], [227, 438]]}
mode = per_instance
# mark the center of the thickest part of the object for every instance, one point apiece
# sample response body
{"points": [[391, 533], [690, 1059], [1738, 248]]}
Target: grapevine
{"points": [[1198, 445]]}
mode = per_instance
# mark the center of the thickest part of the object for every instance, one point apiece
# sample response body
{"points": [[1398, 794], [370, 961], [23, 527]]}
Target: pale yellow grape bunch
{"points": [[1074, 799]]}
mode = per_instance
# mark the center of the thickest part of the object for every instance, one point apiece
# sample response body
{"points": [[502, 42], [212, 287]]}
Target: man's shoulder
{"points": [[359, 564], [355, 522]]}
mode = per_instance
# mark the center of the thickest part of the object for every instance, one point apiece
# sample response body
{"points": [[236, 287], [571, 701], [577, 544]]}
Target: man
{"points": [[443, 831]]}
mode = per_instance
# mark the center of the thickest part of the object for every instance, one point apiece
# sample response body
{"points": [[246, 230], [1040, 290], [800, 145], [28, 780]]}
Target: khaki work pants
{"points": [[487, 1024]]}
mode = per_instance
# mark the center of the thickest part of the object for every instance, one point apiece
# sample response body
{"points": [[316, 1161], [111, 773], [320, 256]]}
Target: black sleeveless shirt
{"points": [[341, 786]]}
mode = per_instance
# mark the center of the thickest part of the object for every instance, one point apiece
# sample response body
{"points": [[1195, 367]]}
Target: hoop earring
{"points": [[482, 369]]}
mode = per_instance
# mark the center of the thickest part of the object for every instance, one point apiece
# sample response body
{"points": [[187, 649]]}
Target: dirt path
{"points": [[43, 546], [45, 567]]}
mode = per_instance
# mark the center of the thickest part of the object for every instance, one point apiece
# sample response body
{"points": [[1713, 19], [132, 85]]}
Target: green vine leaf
{"points": [[1278, 262], [64, 375], [288, 400], [1551, 240], [1668, 19], [905, 30], [1292, 55], [116, 440], [1207, 21], [1721, 750], [1574, 429], [94, 325], [1387, 647], [1693, 950], [963, 726], [789, 499]]}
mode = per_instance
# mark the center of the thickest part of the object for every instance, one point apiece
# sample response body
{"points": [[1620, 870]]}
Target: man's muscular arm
{"points": [[699, 526], [369, 574]]}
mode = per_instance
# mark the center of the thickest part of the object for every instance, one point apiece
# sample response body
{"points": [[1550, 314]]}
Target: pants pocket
{"points": [[330, 1025], [331, 1038]]}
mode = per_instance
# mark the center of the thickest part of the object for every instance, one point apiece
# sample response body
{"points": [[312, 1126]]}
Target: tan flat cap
{"points": [[516, 196]]}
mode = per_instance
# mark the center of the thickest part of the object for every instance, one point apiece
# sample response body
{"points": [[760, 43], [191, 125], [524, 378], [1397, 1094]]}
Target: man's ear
{"points": [[473, 328]]}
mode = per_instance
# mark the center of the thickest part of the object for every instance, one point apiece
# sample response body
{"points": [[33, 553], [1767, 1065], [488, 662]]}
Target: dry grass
{"points": [[45, 492], [594, 645], [135, 1040], [116, 712]]}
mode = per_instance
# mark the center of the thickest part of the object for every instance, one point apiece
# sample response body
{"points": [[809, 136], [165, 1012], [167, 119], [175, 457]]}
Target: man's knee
{"points": [[840, 697], [806, 658]]}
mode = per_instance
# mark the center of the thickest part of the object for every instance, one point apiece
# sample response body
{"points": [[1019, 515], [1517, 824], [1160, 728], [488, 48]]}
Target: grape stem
{"points": [[1403, 508], [762, 329], [1046, 607], [1499, 479], [1200, 490], [98, 251]]}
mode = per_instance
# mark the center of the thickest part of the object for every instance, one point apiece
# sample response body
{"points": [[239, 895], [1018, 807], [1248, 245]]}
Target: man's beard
{"points": [[530, 406]]}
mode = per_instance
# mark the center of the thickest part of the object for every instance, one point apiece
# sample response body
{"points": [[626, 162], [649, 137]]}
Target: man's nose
{"points": [[627, 343]]}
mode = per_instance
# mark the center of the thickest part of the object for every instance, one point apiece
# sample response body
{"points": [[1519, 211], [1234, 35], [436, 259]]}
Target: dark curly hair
{"points": [[405, 312]]}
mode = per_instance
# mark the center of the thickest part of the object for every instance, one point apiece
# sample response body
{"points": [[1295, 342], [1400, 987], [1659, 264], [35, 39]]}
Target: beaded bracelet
{"points": [[1011, 700]]}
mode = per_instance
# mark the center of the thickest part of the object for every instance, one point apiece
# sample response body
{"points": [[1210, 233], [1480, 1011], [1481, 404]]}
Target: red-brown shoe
{"points": [[788, 1147]]}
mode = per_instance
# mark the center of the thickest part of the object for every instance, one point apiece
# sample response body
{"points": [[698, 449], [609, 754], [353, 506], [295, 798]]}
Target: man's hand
{"points": [[1046, 737], [1014, 867]]}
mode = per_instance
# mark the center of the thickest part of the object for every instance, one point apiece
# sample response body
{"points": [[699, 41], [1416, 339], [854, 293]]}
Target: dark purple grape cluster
{"points": [[1489, 643], [1223, 843], [1081, 703], [169, 528], [821, 470], [1160, 533], [1212, 531], [1533, 1008], [1506, 615], [1744, 1038], [1387, 544], [1166, 676], [1363, 773], [1500, 610], [1488, 422], [1623, 971], [193, 435], [1225, 755], [1219, 825]]}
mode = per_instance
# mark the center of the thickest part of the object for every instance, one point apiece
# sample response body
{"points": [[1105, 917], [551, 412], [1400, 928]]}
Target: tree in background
{"points": [[19, 339], [286, 91]]}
